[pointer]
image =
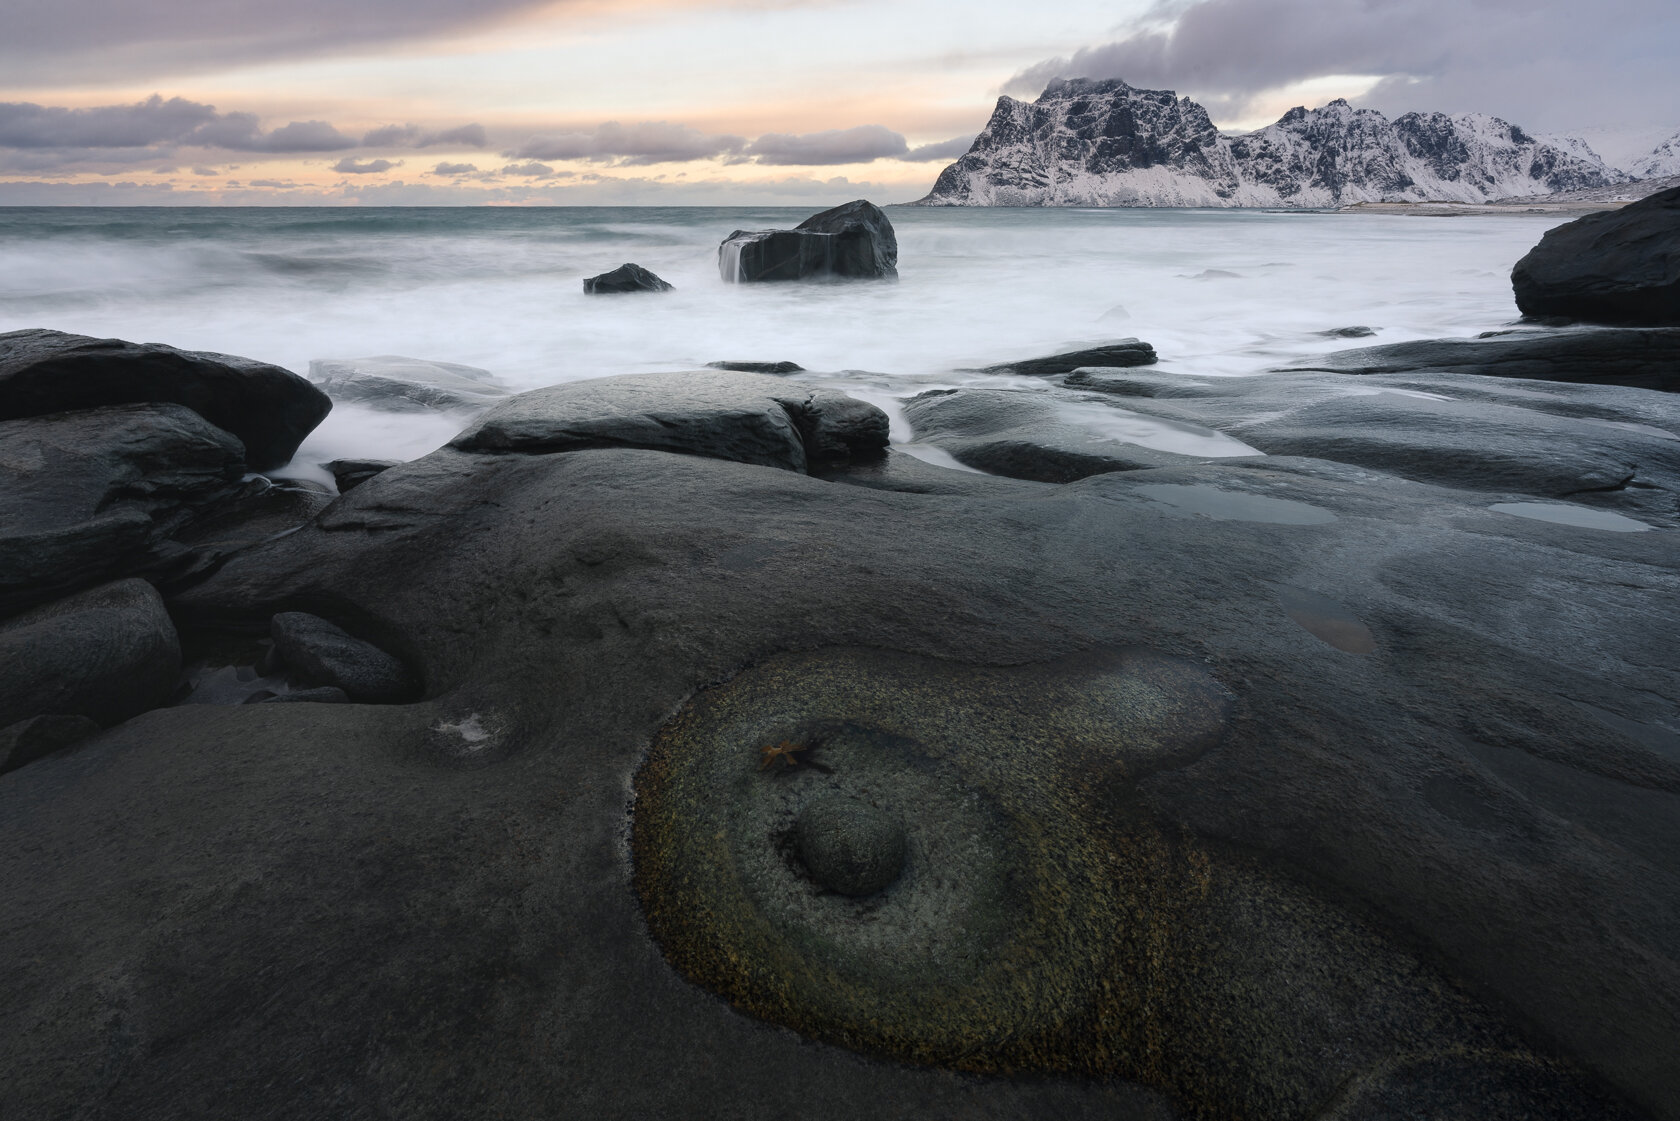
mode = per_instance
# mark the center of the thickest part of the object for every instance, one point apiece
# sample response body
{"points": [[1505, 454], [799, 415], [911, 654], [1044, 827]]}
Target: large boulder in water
{"points": [[269, 408], [855, 240], [1620, 266]]}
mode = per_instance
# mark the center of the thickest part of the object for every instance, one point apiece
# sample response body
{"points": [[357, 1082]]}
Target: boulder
{"points": [[268, 408], [105, 654], [625, 278], [748, 418], [396, 384], [855, 241], [1641, 358], [1616, 266], [758, 367], [96, 493], [350, 473], [323, 655], [1126, 352]]}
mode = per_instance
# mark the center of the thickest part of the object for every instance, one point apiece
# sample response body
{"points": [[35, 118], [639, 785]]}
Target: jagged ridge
{"points": [[1090, 142]]}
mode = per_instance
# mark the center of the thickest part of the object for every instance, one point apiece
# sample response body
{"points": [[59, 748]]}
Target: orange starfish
{"points": [[785, 751]]}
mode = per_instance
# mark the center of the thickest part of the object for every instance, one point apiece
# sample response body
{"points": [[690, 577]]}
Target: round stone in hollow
{"points": [[849, 846]]}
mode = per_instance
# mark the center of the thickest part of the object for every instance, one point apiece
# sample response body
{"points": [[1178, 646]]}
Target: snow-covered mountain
{"points": [[1089, 142], [1662, 160]]}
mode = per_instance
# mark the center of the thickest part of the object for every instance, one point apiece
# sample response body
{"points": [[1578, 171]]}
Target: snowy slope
{"points": [[1087, 142], [1662, 160]]}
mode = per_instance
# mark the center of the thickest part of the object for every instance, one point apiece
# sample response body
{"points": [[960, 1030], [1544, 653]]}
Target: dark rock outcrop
{"points": [[40, 736], [855, 241], [1126, 352], [749, 418], [758, 367], [322, 655], [350, 473], [97, 493], [397, 384], [1636, 357], [627, 277], [104, 654], [1620, 266], [268, 408]]}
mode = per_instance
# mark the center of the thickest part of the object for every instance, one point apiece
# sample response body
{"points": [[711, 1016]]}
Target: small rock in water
{"points": [[320, 653], [352, 473], [627, 277], [757, 367], [397, 384], [1347, 333], [1216, 274], [1125, 352], [1115, 314]]}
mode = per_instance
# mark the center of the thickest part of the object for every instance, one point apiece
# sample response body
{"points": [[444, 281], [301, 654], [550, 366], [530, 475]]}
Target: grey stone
{"points": [[351, 473], [268, 408], [758, 367], [106, 654], [1348, 333], [853, 241], [40, 736], [625, 278], [322, 654], [1641, 358], [849, 846], [1618, 266], [1125, 352], [749, 418], [96, 493], [321, 694], [406, 385]]}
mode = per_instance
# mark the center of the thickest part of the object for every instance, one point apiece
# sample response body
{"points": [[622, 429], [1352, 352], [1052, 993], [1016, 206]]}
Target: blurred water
{"points": [[501, 288]]}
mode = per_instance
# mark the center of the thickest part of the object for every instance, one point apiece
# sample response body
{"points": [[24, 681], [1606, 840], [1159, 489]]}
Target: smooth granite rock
{"points": [[758, 367], [406, 385], [1269, 787], [351, 473], [105, 654], [749, 418], [1126, 352], [1617, 266], [1641, 358], [625, 278], [40, 736], [268, 408], [854, 241], [322, 655], [96, 493]]}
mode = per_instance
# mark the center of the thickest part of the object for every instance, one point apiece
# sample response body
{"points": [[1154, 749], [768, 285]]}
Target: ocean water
{"points": [[1218, 293]]}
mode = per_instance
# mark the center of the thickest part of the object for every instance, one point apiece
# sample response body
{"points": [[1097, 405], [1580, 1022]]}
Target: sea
{"points": [[1219, 293]]}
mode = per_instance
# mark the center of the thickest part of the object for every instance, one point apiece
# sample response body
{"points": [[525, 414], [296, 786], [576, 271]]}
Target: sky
{"points": [[733, 102]]}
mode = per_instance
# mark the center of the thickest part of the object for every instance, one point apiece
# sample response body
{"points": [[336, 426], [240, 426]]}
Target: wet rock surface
{"points": [[1273, 786], [351, 473], [757, 367], [396, 384], [1126, 352], [105, 654], [625, 278], [1620, 266], [268, 408], [324, 657], [854, 241], [39, 736], [1641, 359]]}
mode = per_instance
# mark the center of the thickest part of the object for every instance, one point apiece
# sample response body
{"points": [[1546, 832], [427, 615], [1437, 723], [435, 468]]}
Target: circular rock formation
{"points": [[848, 845]]}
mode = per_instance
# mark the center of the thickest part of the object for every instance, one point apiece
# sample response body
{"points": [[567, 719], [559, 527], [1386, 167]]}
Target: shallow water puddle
{"points": [[1235, 506], [1327, 620], [1562, 513]]}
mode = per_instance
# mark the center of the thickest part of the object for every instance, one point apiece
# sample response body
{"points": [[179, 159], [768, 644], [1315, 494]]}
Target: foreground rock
{"points": [[1641, 358], [1619, 266], [855, 240], [268, 408], [351, 473], [1265, 787], [39, 736], [748, 418], [397, 384], [321, 655], [105, 655], [625, 278], [92, 494], [1126, 352]]}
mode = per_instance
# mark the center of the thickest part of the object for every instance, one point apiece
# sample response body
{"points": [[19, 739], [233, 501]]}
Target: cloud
{"points": [[413, 136], [1554, 65], [455, 169], [153, 121], [350, 165], [531, 170], [302, 136], [647, 142], [832, 146], [205, 171], [273, 184], [944, 150]]}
